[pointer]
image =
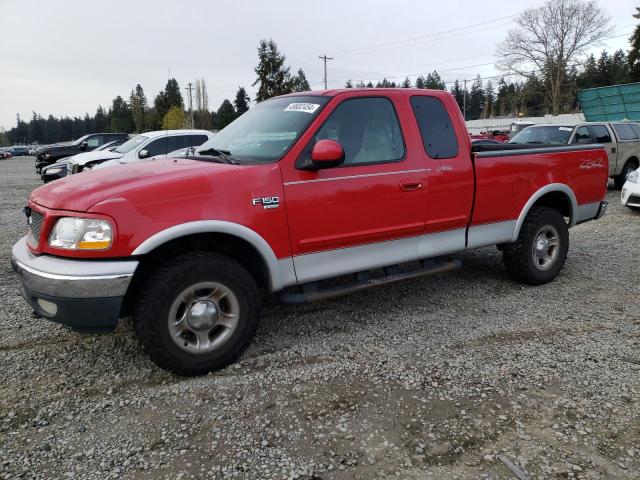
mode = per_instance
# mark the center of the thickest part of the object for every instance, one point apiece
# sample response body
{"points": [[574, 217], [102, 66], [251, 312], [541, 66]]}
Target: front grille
{"points": [[37, 219]]}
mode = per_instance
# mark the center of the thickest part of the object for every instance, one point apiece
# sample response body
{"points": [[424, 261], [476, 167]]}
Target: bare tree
{"points": [[550, 39], [198, 96]]}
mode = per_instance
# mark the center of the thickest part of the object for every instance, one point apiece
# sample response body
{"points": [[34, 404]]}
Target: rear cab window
{"points": [[438, 135], [624, 131], [600, 133]]}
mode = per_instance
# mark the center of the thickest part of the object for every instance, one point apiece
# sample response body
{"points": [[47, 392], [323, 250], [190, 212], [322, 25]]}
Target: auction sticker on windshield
{"points": [[302, 107]]}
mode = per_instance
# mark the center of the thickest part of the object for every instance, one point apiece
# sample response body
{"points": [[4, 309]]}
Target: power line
{"points": [[463, 68], [422, 37]]}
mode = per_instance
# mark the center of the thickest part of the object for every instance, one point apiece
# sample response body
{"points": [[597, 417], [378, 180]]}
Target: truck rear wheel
{"points": [[197, 313], [539, 253]]}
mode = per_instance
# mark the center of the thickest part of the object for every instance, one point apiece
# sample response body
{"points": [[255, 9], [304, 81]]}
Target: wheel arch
{"points": [[226, 237], [555, 195], [633, 158]]}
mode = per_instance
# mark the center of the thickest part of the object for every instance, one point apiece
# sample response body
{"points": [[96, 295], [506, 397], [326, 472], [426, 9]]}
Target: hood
{"points": [[87, 157], [57, 146], [80, 192]]}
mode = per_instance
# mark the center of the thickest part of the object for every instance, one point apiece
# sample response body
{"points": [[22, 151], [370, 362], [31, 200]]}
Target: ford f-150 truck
{"points": [[309, 195]]}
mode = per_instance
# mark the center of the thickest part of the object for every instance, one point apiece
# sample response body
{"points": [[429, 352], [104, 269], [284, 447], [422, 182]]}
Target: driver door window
{"points": [[157, 147], [582, 137], [367, 129], [94, 142]]}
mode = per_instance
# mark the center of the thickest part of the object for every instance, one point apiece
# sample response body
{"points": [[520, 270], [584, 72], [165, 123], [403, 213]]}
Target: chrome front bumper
{"points": [[83, 294]]}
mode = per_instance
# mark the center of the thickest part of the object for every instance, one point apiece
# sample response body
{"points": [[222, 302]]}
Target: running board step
{"points": [[312, 293]]}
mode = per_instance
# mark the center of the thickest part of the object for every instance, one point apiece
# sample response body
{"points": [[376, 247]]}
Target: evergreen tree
{"points": [[300, 83], [273, 76], [167, 98], [139, 108], [589, 75], [406, 83], [386, 84], [225, 115], [241, 103], [458, 94], [52, 131], [634, 51], [100, 122], [420, 83], [619, 68], [476, 100], [349, 84], [172, 93], [434, 81], [369, 84], [121, 116], [489, 99]]}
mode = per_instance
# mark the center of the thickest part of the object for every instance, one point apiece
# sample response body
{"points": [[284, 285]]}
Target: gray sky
{"points": [[67, 56]]}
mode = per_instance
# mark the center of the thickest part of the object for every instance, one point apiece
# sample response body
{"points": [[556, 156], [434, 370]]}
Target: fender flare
{"points": [[280, 272], [552, 187]]}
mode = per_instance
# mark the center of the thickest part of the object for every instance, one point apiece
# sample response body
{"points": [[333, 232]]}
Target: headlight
{"points": [[73, 233], [634, 176], [51, 171], [47, 155]]}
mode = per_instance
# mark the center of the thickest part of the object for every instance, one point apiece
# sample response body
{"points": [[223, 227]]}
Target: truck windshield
{"points": [[131, 144], [266, 132], [551, 135]]}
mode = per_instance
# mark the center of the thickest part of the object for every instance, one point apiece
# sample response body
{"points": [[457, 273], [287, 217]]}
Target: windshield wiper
{"points": [[224, 154]]}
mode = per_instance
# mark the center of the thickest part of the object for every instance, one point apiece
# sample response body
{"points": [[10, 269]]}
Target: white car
{"points": [[145, 147], [630, 194]]}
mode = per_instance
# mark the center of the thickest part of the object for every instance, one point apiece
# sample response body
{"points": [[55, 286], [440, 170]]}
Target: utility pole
{"points": [[189, 88], [325, 58], [464, 102]]}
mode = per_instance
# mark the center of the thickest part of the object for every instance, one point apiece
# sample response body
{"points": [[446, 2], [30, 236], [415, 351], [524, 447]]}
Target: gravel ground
{"points": [[464, 375]]}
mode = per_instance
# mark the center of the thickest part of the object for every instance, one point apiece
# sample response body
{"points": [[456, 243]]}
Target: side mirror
{"points": [[143, 154], [84, 145], [326, 154]]}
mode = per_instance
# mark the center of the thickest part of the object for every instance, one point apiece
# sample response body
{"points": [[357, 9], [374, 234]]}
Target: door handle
{"points": [[411, 184], [613, 149]]}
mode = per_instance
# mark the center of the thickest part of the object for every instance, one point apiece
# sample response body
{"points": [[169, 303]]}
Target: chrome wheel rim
{"points": [[203, 317], [546, 247]]}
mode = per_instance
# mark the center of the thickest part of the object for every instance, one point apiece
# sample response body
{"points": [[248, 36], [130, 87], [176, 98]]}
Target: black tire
{"points": [[519, 257], [161, 291], [619, 181]]}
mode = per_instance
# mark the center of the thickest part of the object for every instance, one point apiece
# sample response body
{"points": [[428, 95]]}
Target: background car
{"points": [[59, 169], [630, 194], [144, 147], [621, 140], [52, 153], [19, 150]]}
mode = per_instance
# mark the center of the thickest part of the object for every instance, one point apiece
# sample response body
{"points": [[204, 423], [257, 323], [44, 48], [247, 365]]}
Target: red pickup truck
{"points": [[369, 185]]}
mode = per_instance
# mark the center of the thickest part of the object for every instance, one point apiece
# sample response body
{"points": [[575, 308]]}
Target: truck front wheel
{"points": [[539, 253], [620, 180], [197, 313]]}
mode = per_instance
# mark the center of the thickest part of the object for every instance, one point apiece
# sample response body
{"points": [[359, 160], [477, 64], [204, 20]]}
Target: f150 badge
{"points": [[266, 202]]}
